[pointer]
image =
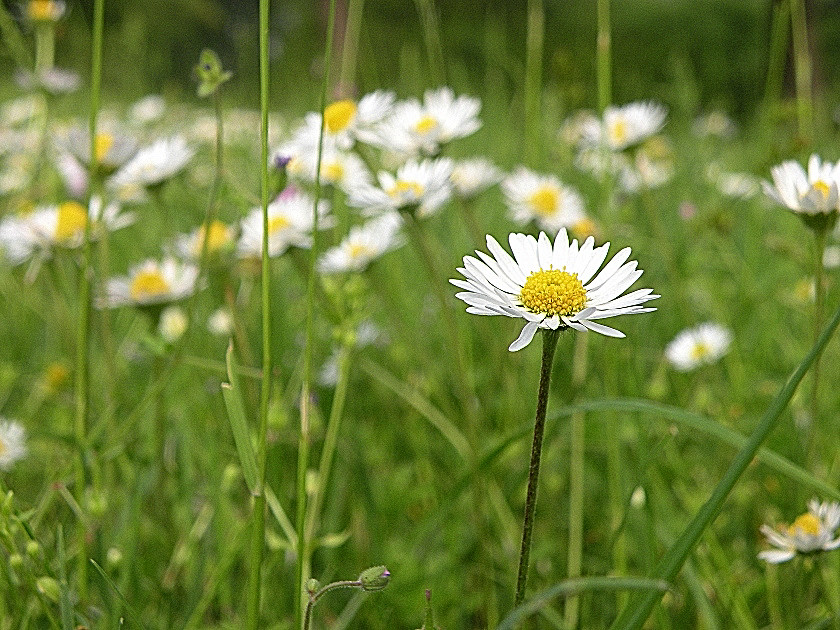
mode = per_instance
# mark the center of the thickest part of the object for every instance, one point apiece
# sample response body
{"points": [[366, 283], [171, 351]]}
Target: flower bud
{"points": [[312, 586], [48, 587], [375, 578], [33, 549]]}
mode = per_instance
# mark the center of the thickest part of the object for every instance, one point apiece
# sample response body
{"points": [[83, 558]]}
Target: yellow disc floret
{"points": [[339, 115], [278, 224], [618, 132], [823, 188], [333, 172], [553, 292], [148, 284], [359, 250], [102, 144], [218, 237], [426, 124], [402, 187], [44, 10], [71, 221], [545, 200], [700, 350], [805, 524]]}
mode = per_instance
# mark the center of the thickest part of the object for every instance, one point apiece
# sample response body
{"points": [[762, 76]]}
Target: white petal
{"points": [[506, 261], [604, 330], [525, 337], [544, 254]]}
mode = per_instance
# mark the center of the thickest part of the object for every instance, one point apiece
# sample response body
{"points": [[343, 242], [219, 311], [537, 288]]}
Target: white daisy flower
{"points": [[12, 443], [831, 257], [61, 225], [421, 185], [575, 129], [53, 80], [471, 177], [151, 283], [173, 323], [290, 224], [698, 346], [345, 121], [148, 109], [338, 168], [810, 532], [113, 148], [154, 164], [21, 110], [735, 185], [220, 237], [363, 244], [72, 172], [220, 322], [627, 125], [416, 127], [714, 124], [552, 286], [543, 199], [811, 193], [45, 10]]}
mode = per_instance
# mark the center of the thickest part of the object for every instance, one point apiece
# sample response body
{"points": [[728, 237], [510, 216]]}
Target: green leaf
{"points": [[232, 393]]}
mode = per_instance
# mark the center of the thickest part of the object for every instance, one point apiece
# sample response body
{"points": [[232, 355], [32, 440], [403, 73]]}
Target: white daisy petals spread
{"points": [[702, 345], [810, 532], [551, 285]]}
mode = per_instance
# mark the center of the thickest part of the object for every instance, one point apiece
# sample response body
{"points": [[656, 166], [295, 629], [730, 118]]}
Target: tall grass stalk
{"points": [[350, 47], [819, 308], [550, 338], [258, 515], [432, 40], [603, 56], [802, 71], [636, 613], [82, 383], [535, 39], [777, 57], [306, 388]]}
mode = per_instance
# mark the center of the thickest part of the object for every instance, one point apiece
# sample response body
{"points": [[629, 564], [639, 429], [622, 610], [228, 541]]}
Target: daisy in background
{"points": [[45, 11], [415, 127], [625, 126], [60, 226], [810, 532], [698, 346], [735, 185], [345, 121], [12, 443], [813, 195], [220, 237], [363, 245], [147, 109], [715, 124], [543, 199], [420, 188], [552, 286], [151, 283], [470, 178], [338, 168], [113, 147], [53, 80], [290, 224], [153, 165]]}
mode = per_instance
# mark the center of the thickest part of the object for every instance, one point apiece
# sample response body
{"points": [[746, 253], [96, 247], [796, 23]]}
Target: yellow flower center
{"points": [[545, 200], [823, 188], [618, 132], [426, 124], [3, 448], [553, 292], [806, 524], [41, 10], [55, 376], [402, 187], [72, 219], [585, 227], [148, 284], [700, 350], [218, 237], [333, 172], [295, 166], [278, 224], [357, 250], [102, 144], [339, 115]]}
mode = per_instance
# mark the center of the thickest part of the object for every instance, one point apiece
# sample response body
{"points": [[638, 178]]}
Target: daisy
{"points": [[290, 223], [471, 177], [220, 238], [346, 121], [810, 532], [58, 226], [338, 168], [698, 346], [220, 322], [173, 323], [53, 80], [551, 287], [45, 11], [151, 283], [716, 124], [543, 199], [417, 187], [148, 109], [627, 125], [112, 147], [811, 193], [416, 127], [12, 443], [362, 245], [730, 184], [154, 164]]}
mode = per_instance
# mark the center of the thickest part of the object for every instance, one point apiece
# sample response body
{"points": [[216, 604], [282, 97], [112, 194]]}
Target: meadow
{"points": [[242, 364]]}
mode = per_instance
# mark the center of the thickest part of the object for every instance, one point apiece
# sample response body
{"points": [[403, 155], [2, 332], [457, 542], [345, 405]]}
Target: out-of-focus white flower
{"points": [[147, 109], [367, 333], [831, 257], [338, 168], [173, 323], [21, 110], [45, 10], [363, 244], [12, 443], [154, 164], [72, 173], [576, 128], [421, 187], [811, 532], [290, 224], [416, 127], [471, 177], [151, 283], [714, 124], [702, 345], [53, 80], [220, 322], [220, 237], [811, 193], [735, 185], [113, 148], [625, 126], [543, 199]]}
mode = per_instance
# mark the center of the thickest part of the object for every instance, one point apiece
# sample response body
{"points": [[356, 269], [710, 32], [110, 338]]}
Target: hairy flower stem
{"points": [[258, 514], [550, 338], [313, 599], [819, 308], [82, 383]]}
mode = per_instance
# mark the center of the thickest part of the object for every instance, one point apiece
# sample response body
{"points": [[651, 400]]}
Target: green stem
{"points": [[44, 48], [82, 384], [258, 514], [431, 35], [306, 388], [350, 47], [533, 80], [468, 214], [313, 599], [777, 58], [603, 55], [819, 308], [802, 70], [550, 338]]}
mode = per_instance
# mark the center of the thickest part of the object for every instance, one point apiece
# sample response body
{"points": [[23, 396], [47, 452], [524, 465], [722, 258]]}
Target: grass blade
{"points": [[232, 393], [129, 611]]}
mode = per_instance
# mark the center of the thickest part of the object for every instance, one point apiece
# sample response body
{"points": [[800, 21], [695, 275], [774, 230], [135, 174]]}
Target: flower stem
{"points": [[535, 39], [258, 514], [819, 307], [313, 599], [550, 338], [802, 70], [82, 384], [777, 57], [306, 388], [603, 55]]}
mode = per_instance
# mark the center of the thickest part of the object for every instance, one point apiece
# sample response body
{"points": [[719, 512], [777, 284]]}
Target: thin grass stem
{"points": [[350, 47], [803, 74], [603, 56], [819, 308], [535, 39], [777, 56]]}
